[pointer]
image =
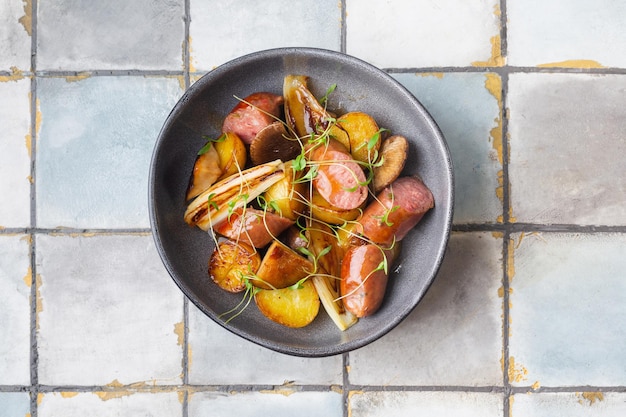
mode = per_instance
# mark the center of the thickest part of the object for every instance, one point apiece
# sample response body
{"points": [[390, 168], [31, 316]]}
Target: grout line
{"points": [[187, 83], [345, 392], [34, 300], [344, 31]]}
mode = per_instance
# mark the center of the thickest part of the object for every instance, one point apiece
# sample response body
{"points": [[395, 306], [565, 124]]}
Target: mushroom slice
{"points": [[393, 153], [271, 143], [222, 198]]}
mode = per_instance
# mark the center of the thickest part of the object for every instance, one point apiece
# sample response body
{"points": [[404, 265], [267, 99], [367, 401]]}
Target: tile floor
{"points": [[527, 316]]}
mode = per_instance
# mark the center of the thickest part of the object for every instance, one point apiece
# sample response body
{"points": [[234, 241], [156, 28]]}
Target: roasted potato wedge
{"points": [[206, 170], [232, 154], [394, 151], [295, 306], [231, 263], [281, 267], [288, 195], [363, 133]]}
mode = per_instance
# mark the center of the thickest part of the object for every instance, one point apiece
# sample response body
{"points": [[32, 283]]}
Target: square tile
{"points": [[15, 141], [94, 149], [278, 403], [467, 108], [431, 404], [96, 404], [221, 31], [424, 33], [571, 404], [566, 33], [213, 351], [567, 148], [117, 34], [14, 404], [108, 313], [568, 301], [15, 32], [462, 308], [15, 282]]}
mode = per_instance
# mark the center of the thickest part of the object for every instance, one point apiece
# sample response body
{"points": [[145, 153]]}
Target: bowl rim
{"points": [[196, 88]]}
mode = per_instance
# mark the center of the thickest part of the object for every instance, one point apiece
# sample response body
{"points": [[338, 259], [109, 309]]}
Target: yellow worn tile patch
{"points": [[16, 74], [67, 394], [496, 59], [39, 304], [179, 330], [283, 391], [431, 74], [78, 77], [510, 260], [589, 398], [536, 385], [27, 20], [516, 372], [192, 67], [573, 63]]}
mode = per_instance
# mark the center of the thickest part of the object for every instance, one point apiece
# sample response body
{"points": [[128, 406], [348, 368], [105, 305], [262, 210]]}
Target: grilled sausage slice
{"points": [[252, 114], [396, 210], [363, 280]]}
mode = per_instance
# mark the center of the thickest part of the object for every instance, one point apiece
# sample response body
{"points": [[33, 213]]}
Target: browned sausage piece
{"points": [[339, 180], [363, 281], [398, 208], [255, 227], [246, 120]]}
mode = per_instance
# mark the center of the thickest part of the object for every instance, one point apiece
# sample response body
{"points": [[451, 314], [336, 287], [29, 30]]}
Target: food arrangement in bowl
{"points": [[295, 209]]}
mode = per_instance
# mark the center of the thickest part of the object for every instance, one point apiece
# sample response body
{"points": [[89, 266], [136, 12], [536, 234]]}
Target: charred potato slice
{"points": [[295, 306], [363, 133], [232, 154], [231, 262], [281, 267], [393, 152]]}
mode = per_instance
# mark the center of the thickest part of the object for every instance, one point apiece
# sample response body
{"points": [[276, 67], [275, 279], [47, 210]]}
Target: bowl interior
{"points": [[360, 86]]}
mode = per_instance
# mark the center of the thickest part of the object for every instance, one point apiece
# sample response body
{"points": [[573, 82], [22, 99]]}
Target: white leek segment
{"points": [[216, 203], [342, 318]]}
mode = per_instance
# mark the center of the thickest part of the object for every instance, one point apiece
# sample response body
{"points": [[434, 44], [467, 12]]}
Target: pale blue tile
{"points": [[431, 404], [94, 149], [214, 350], [570, 404], [467, 112], [221, 31], [15, 144], [108, 312], [579, 32], [116, 34], [15, 30], [568, 300], [279, 403], [422, 33], [14, 404], [105, 404], [454, 336], [15, 284], [567, 148]]}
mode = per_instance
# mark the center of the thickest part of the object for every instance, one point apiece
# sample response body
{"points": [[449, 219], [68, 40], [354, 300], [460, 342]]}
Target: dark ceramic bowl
{"points": [[360, 86]]}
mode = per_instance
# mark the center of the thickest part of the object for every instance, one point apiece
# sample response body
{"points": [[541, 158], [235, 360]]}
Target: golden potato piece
{"points": [[324, 211], [288, 195], [295, 306], [364, 135], [232, 154], [281, 267], [231, 263], [394, 151]]}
